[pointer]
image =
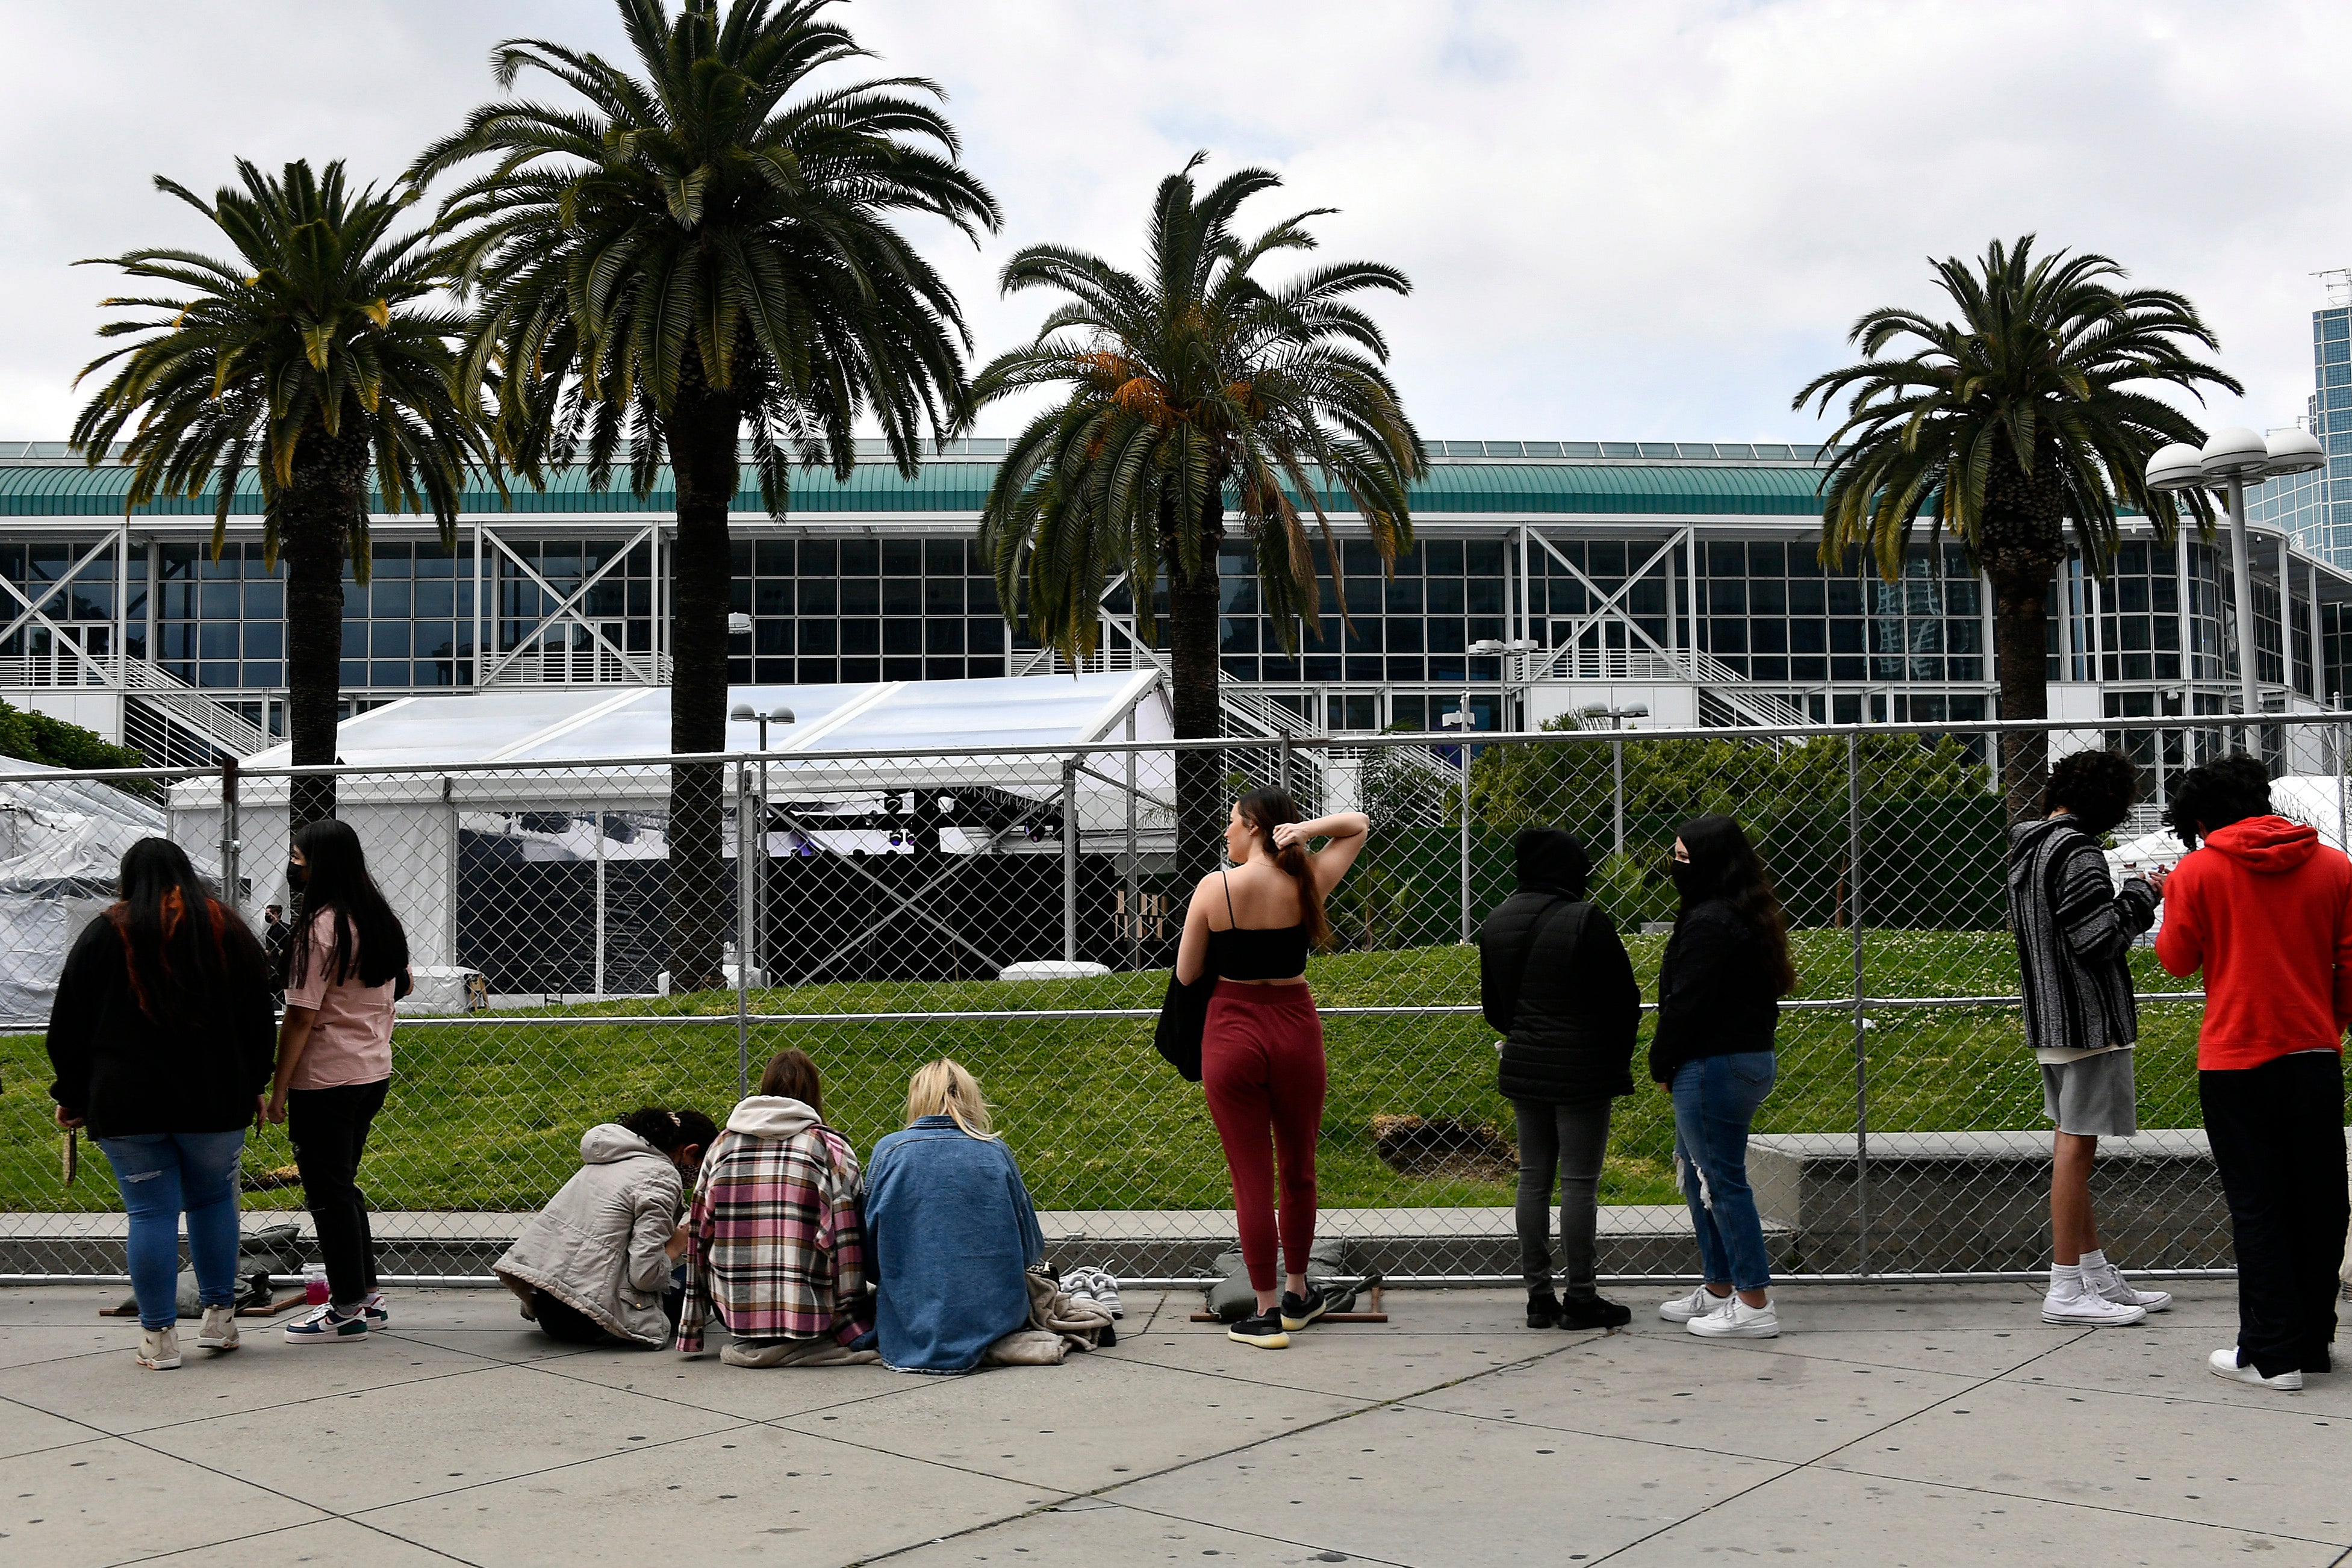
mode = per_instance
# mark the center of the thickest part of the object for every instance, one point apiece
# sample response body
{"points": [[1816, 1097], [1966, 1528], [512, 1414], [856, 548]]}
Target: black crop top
{"points": [[1262, 952]]}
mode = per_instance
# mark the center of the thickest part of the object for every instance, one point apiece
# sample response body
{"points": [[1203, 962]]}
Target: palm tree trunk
{"points": [[1192, 692], [2024, 540], [702, 433], [315, 515]]}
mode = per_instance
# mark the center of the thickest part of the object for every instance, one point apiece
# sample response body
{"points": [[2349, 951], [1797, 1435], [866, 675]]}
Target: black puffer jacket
{"points": [[1718, 990], [1555, 982], [124, 1073]]}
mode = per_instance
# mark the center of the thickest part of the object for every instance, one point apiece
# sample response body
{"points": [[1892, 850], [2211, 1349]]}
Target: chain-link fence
{"points": [[594, 936]]}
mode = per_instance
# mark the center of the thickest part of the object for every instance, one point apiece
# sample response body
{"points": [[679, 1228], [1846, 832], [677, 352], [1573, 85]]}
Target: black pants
{"points": [[560, 1320], [1568, 1140], [2277, 1132], [329, 1128]]}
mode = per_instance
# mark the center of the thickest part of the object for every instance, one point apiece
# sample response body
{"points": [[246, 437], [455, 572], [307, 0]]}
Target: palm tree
{"points": [[694, 252], [2009, 426], [1177, 384], [308, 357]]}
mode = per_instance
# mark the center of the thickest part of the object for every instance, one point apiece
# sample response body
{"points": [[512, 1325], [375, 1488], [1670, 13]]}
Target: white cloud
{"points": [[1649, 220]]}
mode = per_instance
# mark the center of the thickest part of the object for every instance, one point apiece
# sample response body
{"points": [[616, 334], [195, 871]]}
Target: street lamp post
{"points": [[1516, 648], [2234, 459], [1463, 721], [749, 837], [1617, 717]]}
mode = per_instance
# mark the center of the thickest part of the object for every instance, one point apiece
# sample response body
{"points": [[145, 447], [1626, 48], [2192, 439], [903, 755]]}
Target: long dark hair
{"points": [[338, 880], [1725, 865], [1265, 810], [177, 939]]}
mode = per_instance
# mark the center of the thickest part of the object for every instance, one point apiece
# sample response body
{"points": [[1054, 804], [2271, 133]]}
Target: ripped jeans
{"points": [[162, 1175], [1714, 1100]]}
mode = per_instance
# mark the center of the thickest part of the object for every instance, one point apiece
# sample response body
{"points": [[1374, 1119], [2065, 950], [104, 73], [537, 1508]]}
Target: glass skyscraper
{"points": [[2316, 508]]}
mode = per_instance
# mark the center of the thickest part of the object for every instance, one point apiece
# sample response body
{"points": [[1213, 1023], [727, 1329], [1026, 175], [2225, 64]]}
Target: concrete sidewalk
{"points": [[1896, 1424]]}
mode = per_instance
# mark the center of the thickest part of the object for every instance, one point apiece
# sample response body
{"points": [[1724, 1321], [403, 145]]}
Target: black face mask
{"points": [[1690, 881], [297, 874]]}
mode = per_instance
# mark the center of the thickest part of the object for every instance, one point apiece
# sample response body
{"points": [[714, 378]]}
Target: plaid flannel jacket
{"points": [[774, 1241]]}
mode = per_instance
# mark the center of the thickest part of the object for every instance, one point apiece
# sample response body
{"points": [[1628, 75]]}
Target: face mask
{"points": [[297, 874], [1688, 883]]}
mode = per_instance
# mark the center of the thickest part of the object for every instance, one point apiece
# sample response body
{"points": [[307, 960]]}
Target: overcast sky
{"points": [[1634, 220]]}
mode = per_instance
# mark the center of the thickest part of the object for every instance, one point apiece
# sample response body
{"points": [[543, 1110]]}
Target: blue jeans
{"points": [[163, 1174], [1714, 1100]]}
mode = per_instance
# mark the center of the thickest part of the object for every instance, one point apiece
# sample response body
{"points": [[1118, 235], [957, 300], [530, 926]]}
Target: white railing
{"points": [[182, 704], [581, 667]]}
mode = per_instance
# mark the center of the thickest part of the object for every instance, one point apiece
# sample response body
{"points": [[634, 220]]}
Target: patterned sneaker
{"points": [[159, 1349], [2111, 1285], [219, 1329], [325, 1326], [1701, 1302], [1739, 1321], [1263, 1329], [1298, 1311], [2225, 1364], [378, 1311]]}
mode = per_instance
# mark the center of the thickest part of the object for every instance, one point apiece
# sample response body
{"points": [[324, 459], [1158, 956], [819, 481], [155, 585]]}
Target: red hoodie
{"points": [[2267, 913]]}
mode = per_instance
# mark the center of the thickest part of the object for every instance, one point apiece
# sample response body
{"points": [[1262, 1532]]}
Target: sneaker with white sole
{"points": [[2111, 1285], [378, 1311], [1739, 1321], [1263, 1329], [2072, 1306], [1700, 1303], [2225, 1364], [325, 1326], [159, 1350], [219, 1329]]}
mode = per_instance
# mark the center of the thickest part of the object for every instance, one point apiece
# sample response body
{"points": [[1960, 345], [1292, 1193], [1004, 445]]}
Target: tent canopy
{"points": [[557, 725]]}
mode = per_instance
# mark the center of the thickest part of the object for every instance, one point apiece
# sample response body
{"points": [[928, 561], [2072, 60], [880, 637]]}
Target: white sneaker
{"points": [[159, 1350], [219, 1329], [2084, 1308], [1701, 1302], [1739, 1321], [2111, 1285], [2224, 1363]]}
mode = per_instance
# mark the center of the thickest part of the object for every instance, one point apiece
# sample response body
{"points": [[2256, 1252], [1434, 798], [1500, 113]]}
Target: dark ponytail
{"points": [[1266, 810]]}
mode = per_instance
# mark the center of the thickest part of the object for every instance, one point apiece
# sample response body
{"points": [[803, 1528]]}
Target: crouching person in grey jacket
{"points": [[598, 1262]]}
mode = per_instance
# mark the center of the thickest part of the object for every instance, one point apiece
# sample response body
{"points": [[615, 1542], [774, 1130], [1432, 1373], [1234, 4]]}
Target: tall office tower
{"points": [[2316, 508]]}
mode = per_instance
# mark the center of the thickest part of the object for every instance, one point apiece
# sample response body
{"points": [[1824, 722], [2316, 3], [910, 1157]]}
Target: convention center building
{"points": [[1680, 578]]}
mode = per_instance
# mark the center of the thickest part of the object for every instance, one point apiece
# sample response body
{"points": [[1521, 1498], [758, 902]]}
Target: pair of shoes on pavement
{"points": [[325, 1325], [1097, 1285], [1546, 1310], [2098, 1296], [1713, 1317], [159, 1349], [1271, 1331]]}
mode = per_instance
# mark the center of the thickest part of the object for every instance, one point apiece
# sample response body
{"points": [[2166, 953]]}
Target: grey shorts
{"points": [[2092, 1098]]}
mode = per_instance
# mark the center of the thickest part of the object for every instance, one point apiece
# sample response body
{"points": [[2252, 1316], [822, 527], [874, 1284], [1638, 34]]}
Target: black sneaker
{"points": [[1263, 1329], [1298, 1311], [1593, 1312], [1543, 1309]]}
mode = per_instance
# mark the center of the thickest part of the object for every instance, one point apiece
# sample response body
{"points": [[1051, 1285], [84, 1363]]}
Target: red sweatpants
{"points": [[1262, 1069]]}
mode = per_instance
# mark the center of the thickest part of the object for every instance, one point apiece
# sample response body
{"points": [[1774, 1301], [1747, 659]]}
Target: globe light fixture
{"points": [[2230, 460]]}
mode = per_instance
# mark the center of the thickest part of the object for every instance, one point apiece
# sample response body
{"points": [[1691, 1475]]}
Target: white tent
{"points": [[61, 844], [543, 789]]}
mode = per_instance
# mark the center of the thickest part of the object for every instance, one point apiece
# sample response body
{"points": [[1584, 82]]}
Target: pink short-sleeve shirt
{"points": [[352, 1041]]}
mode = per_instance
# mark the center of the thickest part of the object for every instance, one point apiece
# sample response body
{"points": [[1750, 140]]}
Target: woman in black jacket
{"points": [[1555, 983], [162, 1036], [1719, 991]]}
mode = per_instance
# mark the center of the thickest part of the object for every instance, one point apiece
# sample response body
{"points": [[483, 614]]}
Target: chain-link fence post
{"points": [[1283, 765], [1070, 860], [231, 891], [1465, 732], [1861, 1023], [1617, 787], [1134, 911], [743, 886]]}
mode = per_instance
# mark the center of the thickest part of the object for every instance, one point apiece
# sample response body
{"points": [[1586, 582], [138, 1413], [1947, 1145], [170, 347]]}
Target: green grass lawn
{"points": [[489, 1115]]}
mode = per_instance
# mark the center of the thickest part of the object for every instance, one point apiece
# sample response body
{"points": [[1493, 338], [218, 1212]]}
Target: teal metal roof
{"points": [[1644, 486]]}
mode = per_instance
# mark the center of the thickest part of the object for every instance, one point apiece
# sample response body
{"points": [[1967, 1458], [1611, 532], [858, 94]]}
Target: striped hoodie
{"points": [[2073, 930]]}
